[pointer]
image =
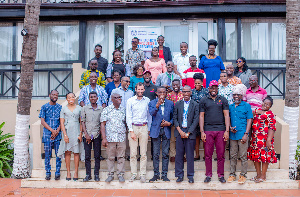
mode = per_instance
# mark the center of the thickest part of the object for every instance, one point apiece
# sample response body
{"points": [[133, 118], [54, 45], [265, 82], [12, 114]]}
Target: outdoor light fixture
{"points": [[184, 22], [24, 32]]}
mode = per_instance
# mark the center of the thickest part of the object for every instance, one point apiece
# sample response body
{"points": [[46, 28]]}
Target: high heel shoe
{"points": [[68, 179]]}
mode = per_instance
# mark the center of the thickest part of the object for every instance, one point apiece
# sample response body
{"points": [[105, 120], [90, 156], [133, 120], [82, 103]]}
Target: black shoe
{"points": [[138, 159], [128, 158], [180, 179], [155, 178], [102, 158], [48, 177], [116, 158], [151, 158], [87, 178], [207, 179], [68, 179], [97, 178], [191, 180], [222, 180], [57, 177], [215, 159], [165, 179], [75, 179], [197, 159]]}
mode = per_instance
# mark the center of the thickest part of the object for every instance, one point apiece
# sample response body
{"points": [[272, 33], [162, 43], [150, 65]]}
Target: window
{"points": [[263, 39], [231, 39], [96, 33]]}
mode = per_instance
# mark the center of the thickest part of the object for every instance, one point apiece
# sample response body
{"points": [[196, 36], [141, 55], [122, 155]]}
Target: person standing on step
{"points": [[113, 131], [126, 94], [134, 55], [85, 77], [174, 96], [261, 150], [138, 121], [49, 115], [102, 62], [186, 120], [241, 119], [90, 120], [72, 135], [161, 111], [214, 127], [255, 95]]}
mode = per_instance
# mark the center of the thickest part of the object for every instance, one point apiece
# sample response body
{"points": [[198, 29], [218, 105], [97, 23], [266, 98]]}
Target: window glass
{"points": [[58, 41], [174, 35]]}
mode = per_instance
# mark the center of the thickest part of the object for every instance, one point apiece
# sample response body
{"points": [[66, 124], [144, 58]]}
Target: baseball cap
{"points": [[147, 71], [213, 83]]}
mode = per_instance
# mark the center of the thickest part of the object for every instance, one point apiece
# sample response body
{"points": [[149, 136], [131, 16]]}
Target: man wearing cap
{"points": [[150, 89], [214, 127], [241, 119]]}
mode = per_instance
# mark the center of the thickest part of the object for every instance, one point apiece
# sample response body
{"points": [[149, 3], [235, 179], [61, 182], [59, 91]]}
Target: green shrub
{"points": [[6, 153]]}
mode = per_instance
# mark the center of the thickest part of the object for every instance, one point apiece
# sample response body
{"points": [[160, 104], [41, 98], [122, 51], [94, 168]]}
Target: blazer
{"points": [[157, 117], [192, 117], [167, 54]]}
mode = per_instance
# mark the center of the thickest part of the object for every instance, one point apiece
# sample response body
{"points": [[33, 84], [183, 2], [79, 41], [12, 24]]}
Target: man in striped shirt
{"points": [[255, 94]]}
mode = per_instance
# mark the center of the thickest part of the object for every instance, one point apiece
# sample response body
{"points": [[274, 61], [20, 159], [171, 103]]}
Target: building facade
{"points": [[68, 32]]}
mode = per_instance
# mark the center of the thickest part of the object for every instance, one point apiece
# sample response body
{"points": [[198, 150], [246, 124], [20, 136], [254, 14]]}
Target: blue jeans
{"points": [[48, 146], [162, 139]]}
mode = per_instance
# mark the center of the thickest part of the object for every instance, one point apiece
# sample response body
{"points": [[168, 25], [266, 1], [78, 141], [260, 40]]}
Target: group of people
{"points": [[175, 103]]}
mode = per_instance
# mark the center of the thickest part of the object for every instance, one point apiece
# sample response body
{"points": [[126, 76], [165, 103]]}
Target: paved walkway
{"points": [[11, 187]]}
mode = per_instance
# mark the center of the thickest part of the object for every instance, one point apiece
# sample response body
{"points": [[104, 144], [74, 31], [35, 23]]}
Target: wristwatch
{"points": [[187, 135]]}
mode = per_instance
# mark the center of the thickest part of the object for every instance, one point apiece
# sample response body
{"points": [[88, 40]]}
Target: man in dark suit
{"points": [[186, 119], [161, 111]]}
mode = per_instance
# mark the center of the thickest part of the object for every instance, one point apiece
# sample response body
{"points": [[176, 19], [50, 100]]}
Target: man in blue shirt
{"points": [[49, 115], [241, 120]]}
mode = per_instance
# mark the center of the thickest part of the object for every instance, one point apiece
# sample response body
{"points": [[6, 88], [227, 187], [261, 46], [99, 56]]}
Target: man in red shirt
{"points": [[188, 74]]}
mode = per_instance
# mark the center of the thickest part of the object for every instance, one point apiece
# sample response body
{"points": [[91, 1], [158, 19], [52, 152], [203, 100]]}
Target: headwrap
{"points": [[240, 89]]}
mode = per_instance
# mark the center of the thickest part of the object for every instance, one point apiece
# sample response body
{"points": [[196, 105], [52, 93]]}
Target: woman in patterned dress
{"points": [[261, 150], [72, 135]]}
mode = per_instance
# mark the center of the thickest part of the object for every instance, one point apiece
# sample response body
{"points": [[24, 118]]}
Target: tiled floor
{"points": [[11, 187]]}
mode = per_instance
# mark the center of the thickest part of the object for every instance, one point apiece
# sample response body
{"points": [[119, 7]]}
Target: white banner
{"points": [[147, 36]]}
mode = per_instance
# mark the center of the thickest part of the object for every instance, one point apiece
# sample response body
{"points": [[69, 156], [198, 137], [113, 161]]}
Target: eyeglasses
{"points": [[238, 61], [134, 41], [127, 81], [186, 91], [117, 97]]}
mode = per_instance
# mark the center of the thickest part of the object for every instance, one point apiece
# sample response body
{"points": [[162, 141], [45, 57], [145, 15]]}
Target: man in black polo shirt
{"points": [[102, 62], [214, 128], [150, 89]]}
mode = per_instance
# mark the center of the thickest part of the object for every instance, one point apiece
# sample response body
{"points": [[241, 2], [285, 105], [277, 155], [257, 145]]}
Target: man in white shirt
{"points": [[182, 61], [138, 121]]}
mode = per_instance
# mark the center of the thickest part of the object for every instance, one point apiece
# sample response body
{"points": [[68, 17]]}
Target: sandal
{"points": [[259, 180], [254, 178]]}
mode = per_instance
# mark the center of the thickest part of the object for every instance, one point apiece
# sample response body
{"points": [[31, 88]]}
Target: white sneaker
{"points": [[133, 177]]}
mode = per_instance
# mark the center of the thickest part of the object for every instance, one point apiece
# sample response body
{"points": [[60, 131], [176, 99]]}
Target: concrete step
{"points": [[199, 165], [198, 185], [272, 174]]}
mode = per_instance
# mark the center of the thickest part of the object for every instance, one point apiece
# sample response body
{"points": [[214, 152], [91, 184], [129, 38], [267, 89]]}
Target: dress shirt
{"points": [[84, 95], [91, 117], [182, 62], [166, 79], [115, 128], [125, 95], [51, 114], [137, 112], [226, 92], [185, 112]]}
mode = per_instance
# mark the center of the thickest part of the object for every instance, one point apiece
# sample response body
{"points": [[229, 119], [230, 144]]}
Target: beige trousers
{"points": [[116, 149], [172, 143], [141, 133]]}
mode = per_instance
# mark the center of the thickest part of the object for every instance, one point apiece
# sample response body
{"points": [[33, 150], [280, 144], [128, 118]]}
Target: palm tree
{"points": [[291, 109], [21, 167]]}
